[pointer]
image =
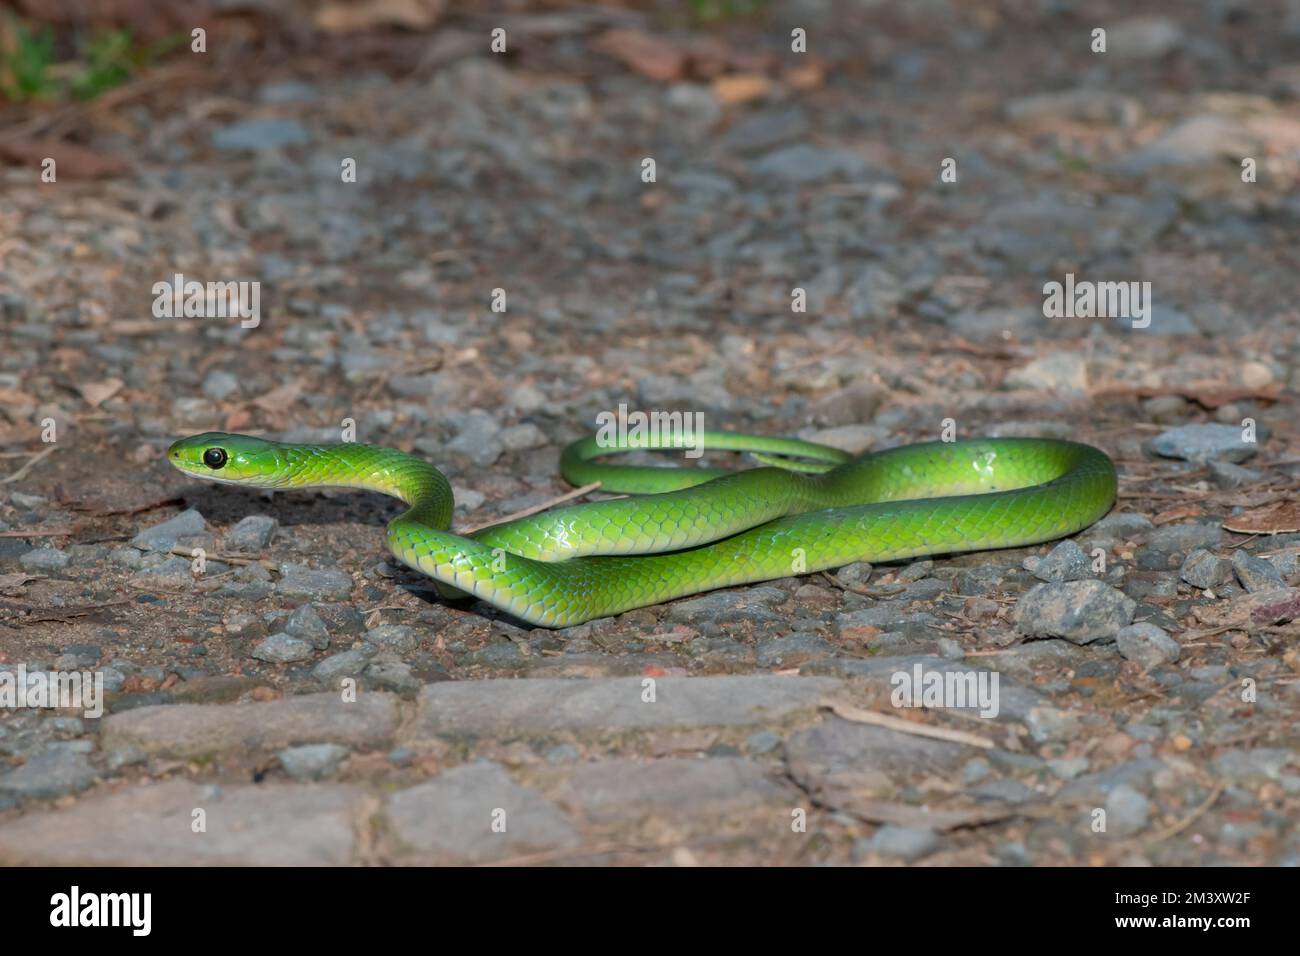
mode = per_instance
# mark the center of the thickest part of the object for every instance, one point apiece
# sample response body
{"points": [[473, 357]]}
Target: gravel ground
{"points": [[1149, 677]]}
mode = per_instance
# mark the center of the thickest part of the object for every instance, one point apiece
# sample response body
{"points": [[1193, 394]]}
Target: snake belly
{"points": [[688, 530]]}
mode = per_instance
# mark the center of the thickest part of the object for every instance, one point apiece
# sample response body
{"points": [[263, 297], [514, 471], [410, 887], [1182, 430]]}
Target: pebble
{"points": [[1058, 372], [304, 623], [220, 384], [393, 637], [1255, 574], [1147, 644], [1227, 475], [1144, 38], [766, 129], [165, 536], [347, 664], [175, 573], [260, 134], [478, 439], [386, 671], [282, 648], [1127, 811], [301, 581], [1205, 570], [44, 560], [1203, 443], [793, 650], [902, 843], [251, 535], [312, 761], [1065, 562], [53, 772], [1185, 538], [855, 575], [801, 163], [1079, 611]]}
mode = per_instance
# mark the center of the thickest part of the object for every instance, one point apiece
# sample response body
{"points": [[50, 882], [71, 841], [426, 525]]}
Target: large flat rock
{"points": [[476, 813], [499, 708], [154, 825], [195, 730]]}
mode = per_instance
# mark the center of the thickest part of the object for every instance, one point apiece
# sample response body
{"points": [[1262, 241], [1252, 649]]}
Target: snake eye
{"points": [[214, 458]]}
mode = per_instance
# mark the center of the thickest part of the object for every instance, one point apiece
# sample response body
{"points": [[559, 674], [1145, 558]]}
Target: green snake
{"points": [[809, 507]]}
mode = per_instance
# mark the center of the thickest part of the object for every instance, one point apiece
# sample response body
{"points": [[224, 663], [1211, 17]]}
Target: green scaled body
{"points": [[688, 530]]}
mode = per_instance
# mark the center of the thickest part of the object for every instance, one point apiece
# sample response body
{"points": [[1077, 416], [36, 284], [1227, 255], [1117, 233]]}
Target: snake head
{"points": [[232, 459]]}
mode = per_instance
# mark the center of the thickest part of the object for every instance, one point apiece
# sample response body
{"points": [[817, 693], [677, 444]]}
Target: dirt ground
{"points": [[502, 269]]}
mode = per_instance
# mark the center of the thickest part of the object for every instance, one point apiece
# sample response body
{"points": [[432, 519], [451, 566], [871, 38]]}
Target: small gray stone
{"points": [[1057, 372], [522, 437], [903, 843], [175, 573], [77, 656], [43, 560], [287, 91], [393, 637], [312, 761], [1255, 574], [125, 557], [1185, 538], [1145, 38], [1079, 611], [803, 163], [1147, 644], [1118, 527], [479, 438], [1227, 475], [298, 580], [389, 672], [53, 772], [766, 129], [854, 575], [1261, 763], [220, 384], [163, 537], [252, 534], [282, 649], [347, 664], [259, 134], [762, 742], [1066, 562], [793, 650], [1202, 443], [306, 624], [720, 607], [1205, 570], [1127, 810]]}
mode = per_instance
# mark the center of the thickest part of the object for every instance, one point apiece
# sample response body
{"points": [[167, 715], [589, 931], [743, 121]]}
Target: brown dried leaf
{"points": [[1178, 514], [357, 16], [71, 161], [1280, 518], [648, 55], [280, 398], [737, 88], [96, 393], [1207, 395]]}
